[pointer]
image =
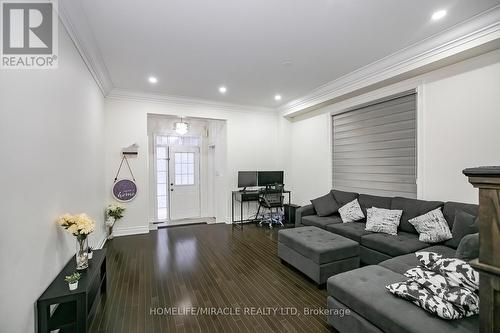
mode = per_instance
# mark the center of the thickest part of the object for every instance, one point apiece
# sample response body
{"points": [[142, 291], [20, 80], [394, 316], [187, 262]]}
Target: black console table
{"points": [[71, 310]]}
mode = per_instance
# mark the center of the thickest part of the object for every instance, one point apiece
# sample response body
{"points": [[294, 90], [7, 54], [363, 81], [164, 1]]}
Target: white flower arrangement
{"points": [[79, 225], [115, 211]]}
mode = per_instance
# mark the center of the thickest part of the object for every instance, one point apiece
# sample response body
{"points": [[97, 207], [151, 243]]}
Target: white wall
{"points": [[252, 144], [51, 131], [459, 127], [308, 165]]}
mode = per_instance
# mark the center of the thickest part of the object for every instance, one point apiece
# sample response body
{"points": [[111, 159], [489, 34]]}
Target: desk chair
{"points": [[271, 198]]}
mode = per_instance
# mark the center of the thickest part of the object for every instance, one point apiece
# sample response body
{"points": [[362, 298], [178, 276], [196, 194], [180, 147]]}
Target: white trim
{"points": [[181, 101], [100, 245], [373, 96], [73, 18], [117, 232], [421, 135], [413, 60]]}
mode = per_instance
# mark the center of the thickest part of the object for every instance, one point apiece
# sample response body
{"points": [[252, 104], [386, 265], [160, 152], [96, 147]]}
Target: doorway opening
{"points": [[184, 170], [177, 161]]}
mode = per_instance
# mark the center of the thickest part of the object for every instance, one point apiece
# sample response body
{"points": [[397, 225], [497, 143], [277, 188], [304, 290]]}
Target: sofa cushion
{"points": [[401, 264], [353, 231], [363, 291], [325, 205], [393, 245], [368, 201], [451, 208], [369, 256], [321, 221], [468, 248], [432, 227], [301, 212], [344, 197], [351, 212], [318, 245], [463, 225], [412, 208]]}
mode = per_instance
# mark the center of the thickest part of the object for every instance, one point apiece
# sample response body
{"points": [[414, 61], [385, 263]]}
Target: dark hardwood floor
{"points": [[205, 267]]}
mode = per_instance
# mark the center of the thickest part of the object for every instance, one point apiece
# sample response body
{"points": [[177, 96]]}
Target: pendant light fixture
{"points": [[181, 127]]}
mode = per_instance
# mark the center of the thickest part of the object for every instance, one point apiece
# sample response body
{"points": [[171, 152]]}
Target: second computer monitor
{"points": [[266, 178]]}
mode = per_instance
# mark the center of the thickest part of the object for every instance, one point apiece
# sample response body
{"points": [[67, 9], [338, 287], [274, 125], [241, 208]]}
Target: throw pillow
{"points": [[325, 205], [468, 248], [415, 293], [464, 224], [351, 212], [383, 220], [432, 227]]}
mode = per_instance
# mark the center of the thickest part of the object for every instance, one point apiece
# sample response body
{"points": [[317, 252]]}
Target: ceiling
{"points": [[256, 48]]}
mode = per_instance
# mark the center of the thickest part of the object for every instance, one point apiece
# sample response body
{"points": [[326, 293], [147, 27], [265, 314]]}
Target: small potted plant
{"points": [[90, 252], [73, 280]]}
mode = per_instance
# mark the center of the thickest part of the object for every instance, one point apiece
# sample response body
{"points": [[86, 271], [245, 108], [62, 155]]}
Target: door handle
{"points": [[171, 190]]}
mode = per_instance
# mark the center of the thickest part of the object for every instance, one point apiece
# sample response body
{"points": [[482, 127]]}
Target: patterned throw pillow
{"points": [[383, 220], [432, 227], [351, 212], [447, 287], [415, 293]]}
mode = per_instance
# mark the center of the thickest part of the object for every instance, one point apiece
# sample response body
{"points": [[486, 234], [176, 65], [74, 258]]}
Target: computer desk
{"points": [[248, 196]]}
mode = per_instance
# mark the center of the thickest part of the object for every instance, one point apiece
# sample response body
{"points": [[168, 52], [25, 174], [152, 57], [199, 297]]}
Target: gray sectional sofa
{"points": [[385, 258]]}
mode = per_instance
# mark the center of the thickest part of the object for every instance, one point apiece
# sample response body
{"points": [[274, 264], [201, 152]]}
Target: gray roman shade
{"points": [[374, 148]]}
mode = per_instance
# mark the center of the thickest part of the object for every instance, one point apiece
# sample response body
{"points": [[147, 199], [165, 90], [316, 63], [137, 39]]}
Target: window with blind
{"points": [[374, 148]]}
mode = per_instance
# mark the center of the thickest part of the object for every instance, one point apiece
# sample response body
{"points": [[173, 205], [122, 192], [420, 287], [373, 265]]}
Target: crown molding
{"points": [[75, 22], [184, 102], [428, 54]]}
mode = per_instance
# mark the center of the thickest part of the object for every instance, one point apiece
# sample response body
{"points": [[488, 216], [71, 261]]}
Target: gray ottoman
{"points": [[317, 253]]}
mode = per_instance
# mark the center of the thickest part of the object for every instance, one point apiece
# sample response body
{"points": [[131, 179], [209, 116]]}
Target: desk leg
{"points": [[241, 214], [232, 209]]}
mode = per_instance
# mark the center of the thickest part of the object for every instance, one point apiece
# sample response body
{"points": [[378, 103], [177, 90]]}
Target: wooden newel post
{"points": [[487, 179]]}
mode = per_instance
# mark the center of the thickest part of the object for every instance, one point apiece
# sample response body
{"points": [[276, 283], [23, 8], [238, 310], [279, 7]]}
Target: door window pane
{"points": [[161, 152], [161, 178], [161, 189], [162, 201], [161, 165], [175, 140], [184, 168], [162, 213]]}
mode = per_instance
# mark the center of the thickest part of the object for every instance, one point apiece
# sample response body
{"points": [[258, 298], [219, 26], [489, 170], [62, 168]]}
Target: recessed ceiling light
{"points": [[222, 90], [439, 15], [152, 79], [277, 97]]}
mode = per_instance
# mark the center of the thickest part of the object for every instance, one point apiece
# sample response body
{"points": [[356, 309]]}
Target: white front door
{"points": [[184, 182]]}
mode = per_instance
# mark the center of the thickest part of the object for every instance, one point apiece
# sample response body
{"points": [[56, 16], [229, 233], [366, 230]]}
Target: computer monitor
{"points": [[247, 178], [266, 178]]}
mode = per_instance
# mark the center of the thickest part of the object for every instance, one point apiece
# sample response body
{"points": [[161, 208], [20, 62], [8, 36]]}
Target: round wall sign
{"points": [[124, 190]]}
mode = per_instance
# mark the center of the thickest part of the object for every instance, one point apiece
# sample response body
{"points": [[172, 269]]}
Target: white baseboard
{"points": [[117, 232], [101, 243]]}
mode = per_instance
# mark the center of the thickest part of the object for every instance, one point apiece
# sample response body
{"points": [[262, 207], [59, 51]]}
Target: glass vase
{"points": [[82, 260]]}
